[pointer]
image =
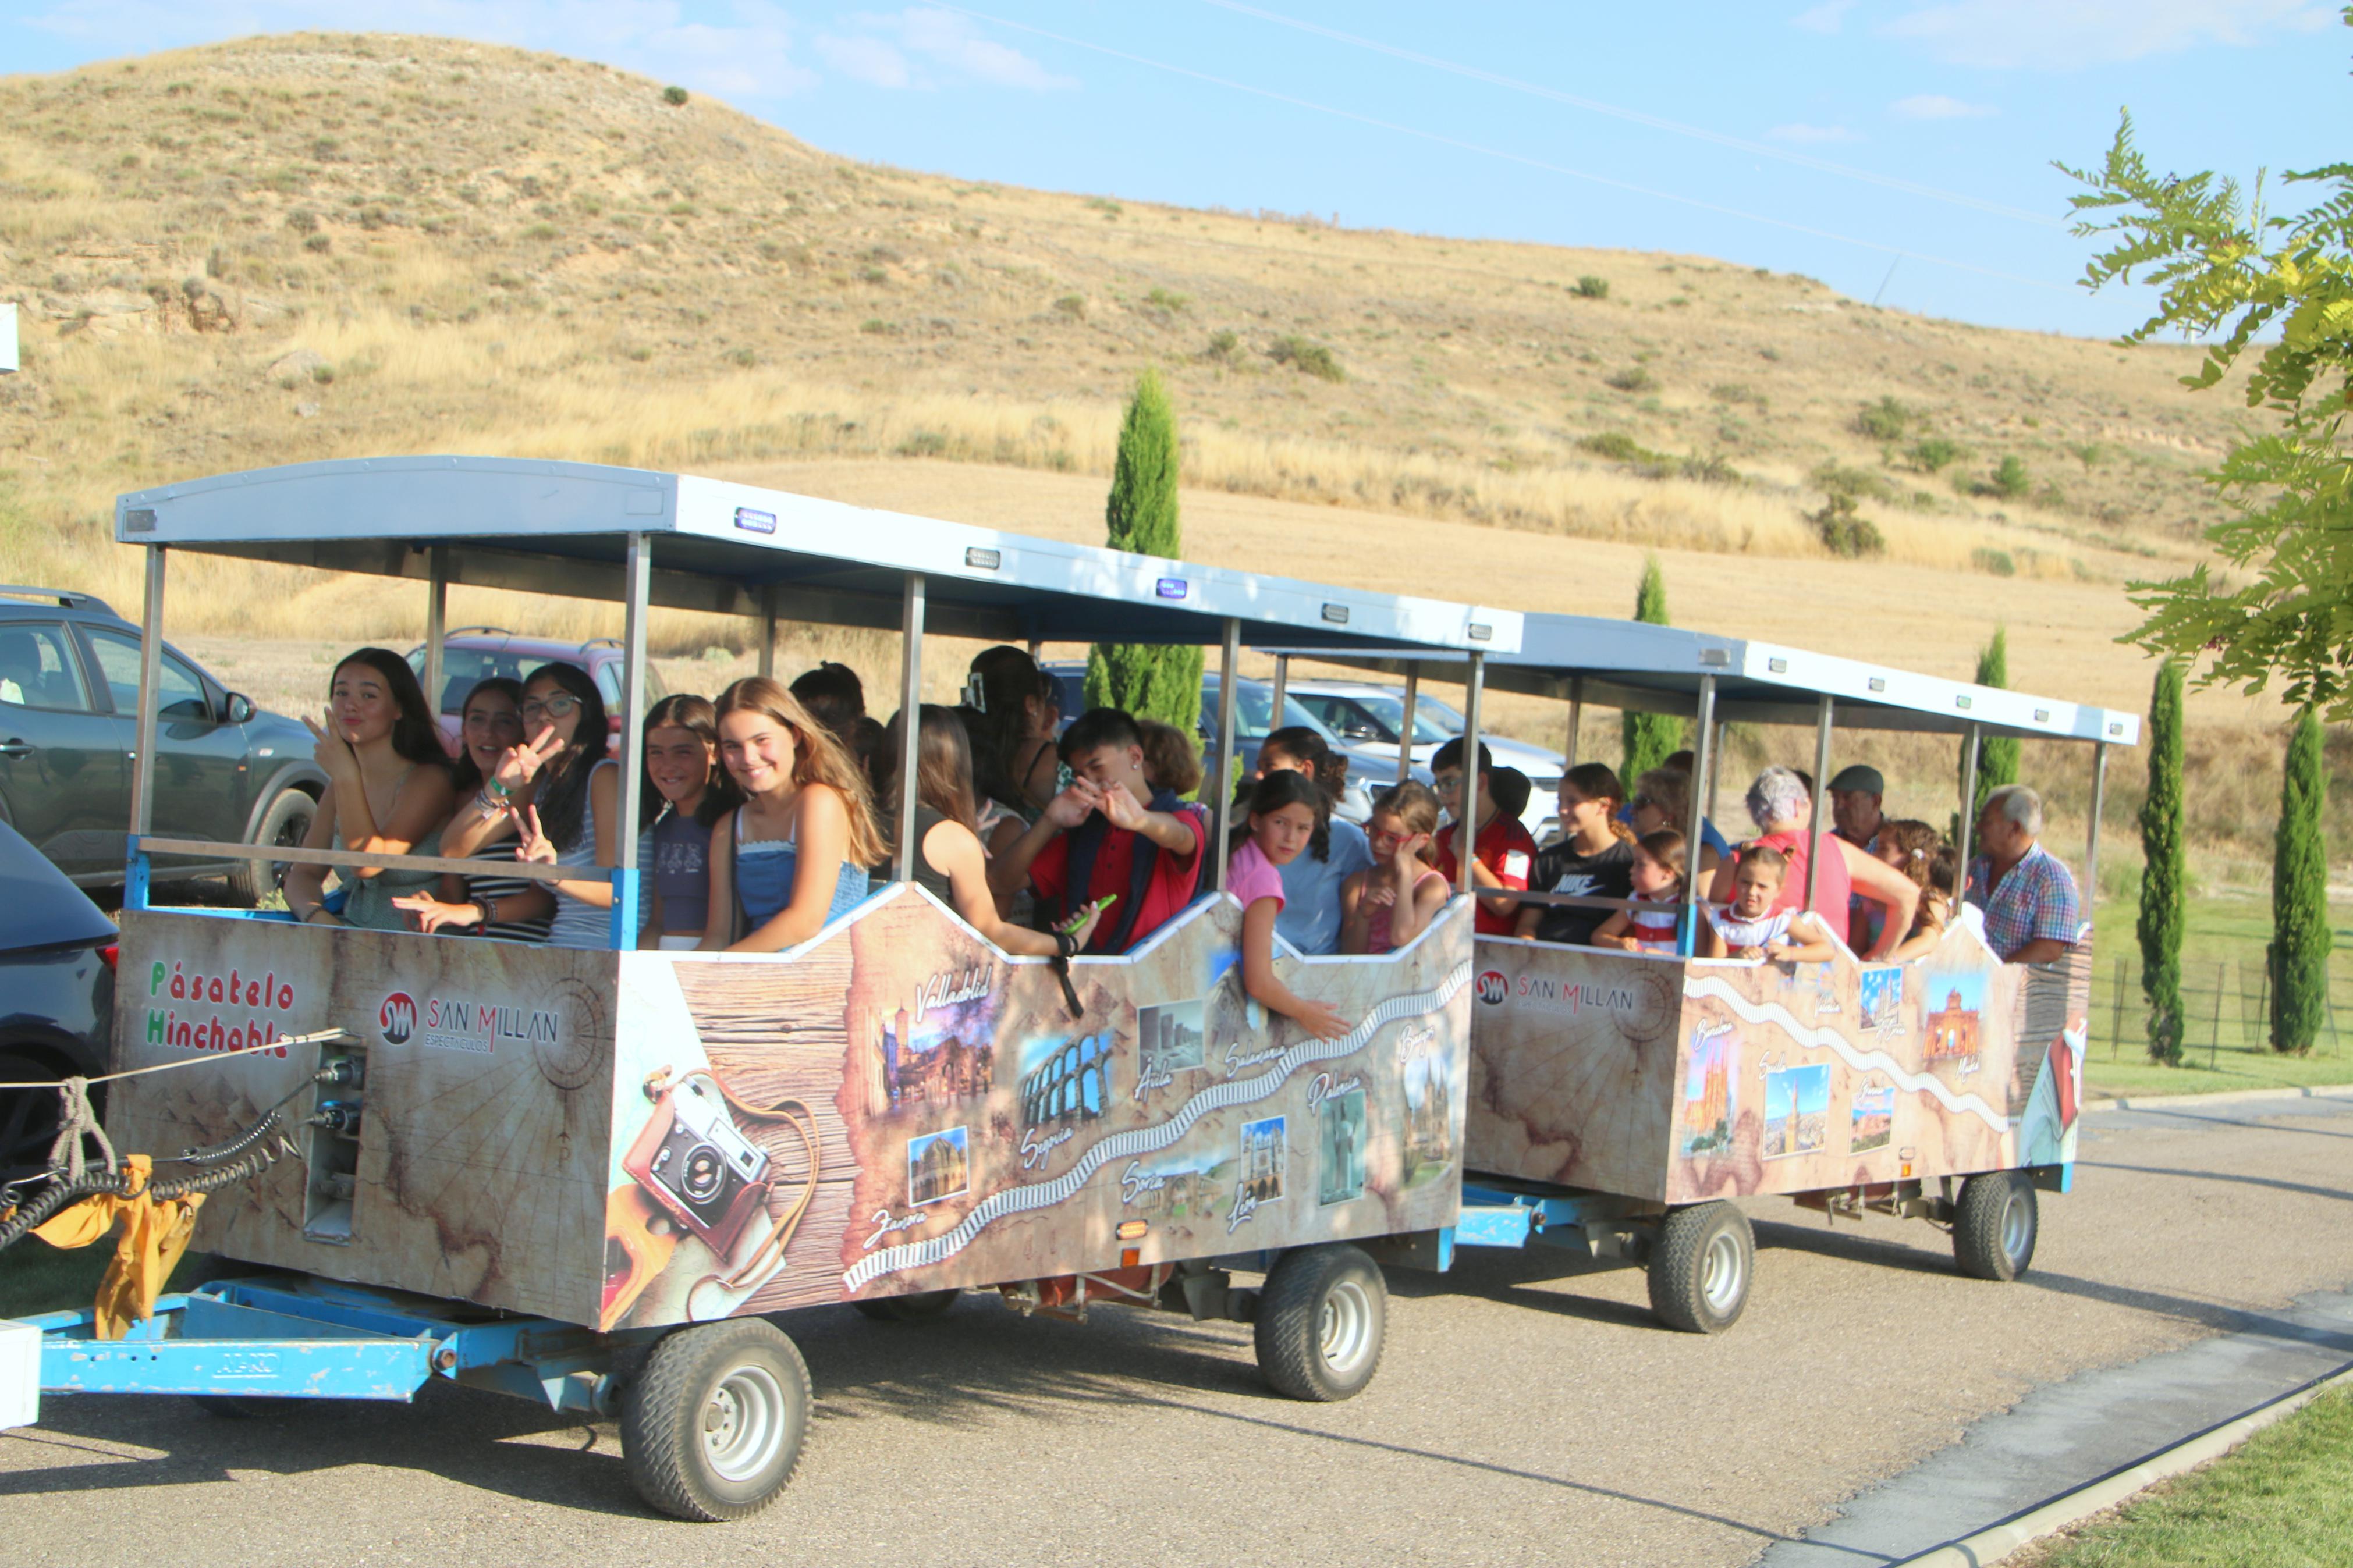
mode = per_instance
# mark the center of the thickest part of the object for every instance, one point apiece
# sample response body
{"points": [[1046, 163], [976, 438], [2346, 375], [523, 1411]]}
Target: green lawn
{"points": [[38, 1277], [2278, 1500], [2224, 995]]}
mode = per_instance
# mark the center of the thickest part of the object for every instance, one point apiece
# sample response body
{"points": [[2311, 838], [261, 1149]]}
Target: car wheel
{"points": [[284, 826], [28, 1116]]}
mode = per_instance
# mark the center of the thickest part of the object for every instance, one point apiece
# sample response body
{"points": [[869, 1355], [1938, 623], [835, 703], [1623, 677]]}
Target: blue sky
{"points": [[1859, 130]]}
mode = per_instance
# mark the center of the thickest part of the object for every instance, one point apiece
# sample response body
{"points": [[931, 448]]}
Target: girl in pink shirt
{"points": [[1281, 819]]}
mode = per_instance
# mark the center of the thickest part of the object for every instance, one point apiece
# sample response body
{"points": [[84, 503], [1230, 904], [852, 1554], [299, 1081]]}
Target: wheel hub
{"points": [[1345, 1327], [743, 1423], [1722, 1273]]}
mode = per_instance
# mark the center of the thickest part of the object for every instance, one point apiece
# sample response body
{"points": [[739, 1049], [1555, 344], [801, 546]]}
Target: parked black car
{"points": [[56, 998], [68, 724]]}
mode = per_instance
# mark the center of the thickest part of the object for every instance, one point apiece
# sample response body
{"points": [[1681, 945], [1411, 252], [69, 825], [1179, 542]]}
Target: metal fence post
{"points": [[2214, 1049], [2116, 1024]]}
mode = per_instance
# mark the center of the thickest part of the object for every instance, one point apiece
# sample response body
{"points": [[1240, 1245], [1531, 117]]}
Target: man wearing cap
{"points": [[1855, 794]]}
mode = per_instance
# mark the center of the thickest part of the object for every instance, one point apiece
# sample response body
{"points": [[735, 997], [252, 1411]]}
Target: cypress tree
{"points": [[1649, 738], [1149, 681], [1997, 754], [2300, 935], [2164, 883]]}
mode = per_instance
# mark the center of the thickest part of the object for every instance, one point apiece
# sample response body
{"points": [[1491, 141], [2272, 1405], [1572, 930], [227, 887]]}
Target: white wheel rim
{"points": [[744, 1423], [2017, 1229], [1722, 1273], [1345, 1332]]}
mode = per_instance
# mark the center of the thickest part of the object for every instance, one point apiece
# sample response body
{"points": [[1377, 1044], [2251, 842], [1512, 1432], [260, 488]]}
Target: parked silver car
{"points": [[1368, 717]]}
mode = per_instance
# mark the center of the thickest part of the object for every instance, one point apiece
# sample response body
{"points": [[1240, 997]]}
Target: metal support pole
{"points": [[1820, 789], [1969, 816], [1037, 649], [1714, 770], [768, 631], [1466, 817], [1687, 925], [638, 587], [1282, 690], [143, 755], [2091, 838], [1576, 722], [1405, 726], [1220, 786], [437, 622], [911, 723]]}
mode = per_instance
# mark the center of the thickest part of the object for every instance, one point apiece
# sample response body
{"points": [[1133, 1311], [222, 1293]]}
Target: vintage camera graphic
{"points": [[698, 1165]]}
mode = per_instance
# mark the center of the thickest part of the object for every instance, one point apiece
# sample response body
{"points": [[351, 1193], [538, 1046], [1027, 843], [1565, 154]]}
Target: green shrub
{"points": [[1308, 358], [874, 324], [1073, 306], [1224, 346], [1617, 447], [1934, 452], [1843, 532], [2010, 480], [1591, 287], [1166, 300], [1649, 738], [1737, 392], [2000, 563], [1712, 469], [2300, 931], [1857, 484], [674, 96], [1633, 378], [1885, 420]]}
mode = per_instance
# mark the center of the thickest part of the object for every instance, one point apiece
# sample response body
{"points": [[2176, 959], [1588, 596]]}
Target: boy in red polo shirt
{"points": [[1108, 833], [1503, 852]]}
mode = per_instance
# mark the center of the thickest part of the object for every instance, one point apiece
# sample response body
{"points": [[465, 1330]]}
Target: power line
{"points": [[1656, 122], [1496, 153]]}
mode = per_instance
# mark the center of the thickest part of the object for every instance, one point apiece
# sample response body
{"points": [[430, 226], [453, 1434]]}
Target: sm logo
{"points": [[397, 1017], [1493, 987]]}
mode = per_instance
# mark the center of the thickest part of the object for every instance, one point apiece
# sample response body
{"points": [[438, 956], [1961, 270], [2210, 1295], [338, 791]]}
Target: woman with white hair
{"points": [[1781, 807]]}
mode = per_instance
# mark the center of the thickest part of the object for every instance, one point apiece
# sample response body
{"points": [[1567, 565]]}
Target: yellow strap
{"points": [[155, 1238]]}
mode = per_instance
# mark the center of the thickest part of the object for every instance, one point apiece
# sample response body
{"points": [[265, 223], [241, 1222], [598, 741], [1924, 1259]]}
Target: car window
{"points": [[463, 667], [37, 669], [183, 695], [608, 686]]}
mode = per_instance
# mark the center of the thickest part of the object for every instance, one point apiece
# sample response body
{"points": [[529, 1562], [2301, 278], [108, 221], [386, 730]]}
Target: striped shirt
{"points": [[489, 888]]}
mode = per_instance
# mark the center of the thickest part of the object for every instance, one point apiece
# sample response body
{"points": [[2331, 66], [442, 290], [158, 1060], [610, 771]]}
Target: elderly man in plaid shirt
{"points": [[2027, 893]]}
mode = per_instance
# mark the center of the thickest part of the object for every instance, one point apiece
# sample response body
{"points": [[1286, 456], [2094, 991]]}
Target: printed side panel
{"points": [[899, 1108], [1802, 1078], [1573, 1066], [476, 1171]]}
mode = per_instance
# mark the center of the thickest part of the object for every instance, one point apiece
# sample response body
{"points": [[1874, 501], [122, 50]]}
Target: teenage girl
{"points": [[1020, 716], [1593, 858], [1311, 884], [1281, 819], [685, 791], [1658, 877], [794, 855], [509, 907], [1393, 900], [387, 791], [575, 820], [948, 858]]}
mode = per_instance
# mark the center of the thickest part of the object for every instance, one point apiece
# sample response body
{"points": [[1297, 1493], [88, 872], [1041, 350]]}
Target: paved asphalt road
{"points": [[1520, 1416]]}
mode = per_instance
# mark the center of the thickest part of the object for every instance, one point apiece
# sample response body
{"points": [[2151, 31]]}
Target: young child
{"points": [[1918, 851], [1109, 834], [1312, 884], [1753, 928], [1658, 877], [1171, 760], [1393, 900], [1284, 810]]}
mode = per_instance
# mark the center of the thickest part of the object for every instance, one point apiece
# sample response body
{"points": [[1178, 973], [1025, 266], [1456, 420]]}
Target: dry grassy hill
{"points": [[311, 246]]}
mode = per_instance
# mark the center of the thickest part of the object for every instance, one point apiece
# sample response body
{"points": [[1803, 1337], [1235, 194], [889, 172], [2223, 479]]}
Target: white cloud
{"points": [[1827, 17], [1937, 106], [2058, 35], [874, 61], [1811, 135], [891, 50]]}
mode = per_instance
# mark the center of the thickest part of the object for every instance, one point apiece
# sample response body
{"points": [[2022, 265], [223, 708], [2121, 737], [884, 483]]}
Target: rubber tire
{"points": [[28, 1116], [1289, 1328], [663, 1408], [291, 812], [1979, 1223], [1679, 1262], [920, 1308]]}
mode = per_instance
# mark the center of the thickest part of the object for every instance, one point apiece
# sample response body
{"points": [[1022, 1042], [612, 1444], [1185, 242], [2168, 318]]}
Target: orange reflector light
{"points": [[1129, 1230]]}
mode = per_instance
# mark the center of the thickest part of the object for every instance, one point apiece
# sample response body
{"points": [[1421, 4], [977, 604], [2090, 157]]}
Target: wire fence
{"points": [[2225, 1005]]}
